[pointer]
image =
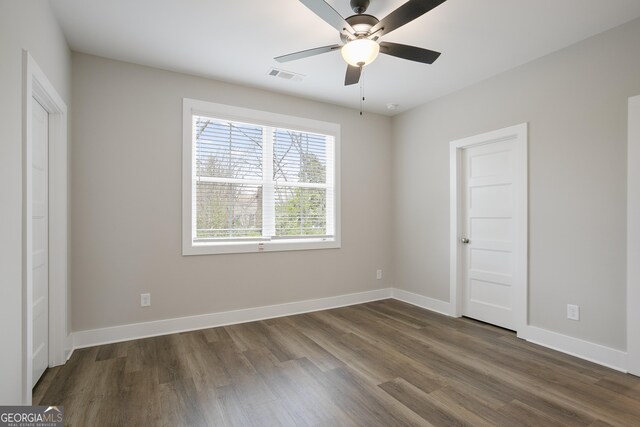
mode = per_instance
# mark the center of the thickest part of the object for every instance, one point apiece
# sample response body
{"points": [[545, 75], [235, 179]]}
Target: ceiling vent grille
{"points": [[286, 75]]}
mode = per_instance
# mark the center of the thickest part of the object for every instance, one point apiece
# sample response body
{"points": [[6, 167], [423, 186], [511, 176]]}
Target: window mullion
{"points": [[268, 187]]}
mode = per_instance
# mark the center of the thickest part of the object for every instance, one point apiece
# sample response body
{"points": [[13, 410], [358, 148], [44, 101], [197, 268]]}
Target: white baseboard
{"points": [[132, 331], [596, 353], [439, 306]]}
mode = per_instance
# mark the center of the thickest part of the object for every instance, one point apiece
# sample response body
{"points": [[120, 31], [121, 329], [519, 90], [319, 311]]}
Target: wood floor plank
{"points": [[453, 397], [141, 403], [250, 387], [305, 399], [141, 355], [114, 350], [171, 364], [518, 413], [298, 345], [624, 387], [206, 370], [368, 405], [599, 423], [270, 414], [216, 335], [233, 412], [44, 383], [180, 404], [421, 403], [72, 378], [384, 363]]}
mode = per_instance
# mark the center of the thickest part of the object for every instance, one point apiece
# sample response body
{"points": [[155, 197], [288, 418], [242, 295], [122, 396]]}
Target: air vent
{"points": [[286, 75]]}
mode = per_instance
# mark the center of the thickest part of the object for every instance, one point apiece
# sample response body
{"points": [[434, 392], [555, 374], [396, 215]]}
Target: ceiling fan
{"points": [[360, 35]]}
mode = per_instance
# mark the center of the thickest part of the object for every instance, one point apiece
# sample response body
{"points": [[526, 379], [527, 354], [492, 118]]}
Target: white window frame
{"points": [[193, 107]]}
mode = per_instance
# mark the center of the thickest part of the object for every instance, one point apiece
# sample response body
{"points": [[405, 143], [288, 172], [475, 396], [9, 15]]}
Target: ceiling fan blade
{"points": [[329, 15], [411, 53], [307, 53], [353, 75], [403, 15]]}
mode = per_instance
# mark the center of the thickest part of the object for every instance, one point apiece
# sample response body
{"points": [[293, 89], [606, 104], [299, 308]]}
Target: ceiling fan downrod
{"points": [[359, 6]]}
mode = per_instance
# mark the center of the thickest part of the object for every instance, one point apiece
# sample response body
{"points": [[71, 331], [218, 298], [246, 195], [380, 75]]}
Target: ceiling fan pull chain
{"points": [[361, 88]]}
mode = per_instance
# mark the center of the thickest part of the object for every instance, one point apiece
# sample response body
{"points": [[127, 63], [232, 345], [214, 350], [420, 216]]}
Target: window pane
{"points": [[228, 210], [300, 211], [299, 157], [228, 149], [258, 182]]}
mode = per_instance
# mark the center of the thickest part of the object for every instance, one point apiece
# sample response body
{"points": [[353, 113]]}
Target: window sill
{"points": [[209, 248]]}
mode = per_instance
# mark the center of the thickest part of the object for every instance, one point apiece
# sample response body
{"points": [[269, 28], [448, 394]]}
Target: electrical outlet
{"points": [[573, 312], [379, 274], [145, 300]]}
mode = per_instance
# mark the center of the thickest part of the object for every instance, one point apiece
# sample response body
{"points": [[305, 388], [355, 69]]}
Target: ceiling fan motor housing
{"points": [[361, 23], [359, 6]]}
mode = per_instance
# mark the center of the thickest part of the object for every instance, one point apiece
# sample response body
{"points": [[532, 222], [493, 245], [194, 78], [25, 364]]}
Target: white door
{"points": [[488, 223], [40, 254]]}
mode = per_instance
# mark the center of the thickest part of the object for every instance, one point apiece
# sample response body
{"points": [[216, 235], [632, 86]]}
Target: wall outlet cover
{"points": [[573, 312], [145, 300]]}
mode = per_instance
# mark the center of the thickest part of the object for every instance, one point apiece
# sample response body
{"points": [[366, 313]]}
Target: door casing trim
{"points": [[519, 134], [35, 85], [633, 236]]}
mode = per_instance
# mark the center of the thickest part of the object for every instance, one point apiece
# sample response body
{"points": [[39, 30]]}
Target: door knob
{"points": [[464, 240]]}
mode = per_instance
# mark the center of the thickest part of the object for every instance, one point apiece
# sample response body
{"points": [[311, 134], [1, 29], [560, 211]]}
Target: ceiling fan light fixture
{"points": [[360, 52]]}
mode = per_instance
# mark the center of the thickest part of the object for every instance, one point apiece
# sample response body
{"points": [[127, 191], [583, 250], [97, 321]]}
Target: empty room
{"points": [[320, 213]]}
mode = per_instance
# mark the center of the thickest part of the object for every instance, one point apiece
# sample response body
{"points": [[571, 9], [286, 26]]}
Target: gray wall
{"points": [[575, 101], [24, 24], [126, 203]]}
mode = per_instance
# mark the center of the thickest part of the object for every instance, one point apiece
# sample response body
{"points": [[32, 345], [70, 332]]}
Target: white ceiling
{"points": [[236, 41]]}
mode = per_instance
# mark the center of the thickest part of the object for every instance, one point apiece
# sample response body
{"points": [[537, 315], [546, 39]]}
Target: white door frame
{"points": [[519, 134], [35, 85], [633, 237]]}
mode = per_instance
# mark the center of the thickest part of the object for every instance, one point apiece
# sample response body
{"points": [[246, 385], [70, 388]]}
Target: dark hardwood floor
{"points": [[384, 363]]}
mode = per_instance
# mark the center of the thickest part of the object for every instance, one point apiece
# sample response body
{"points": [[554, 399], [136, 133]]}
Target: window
{"points": [[255, 181]]}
